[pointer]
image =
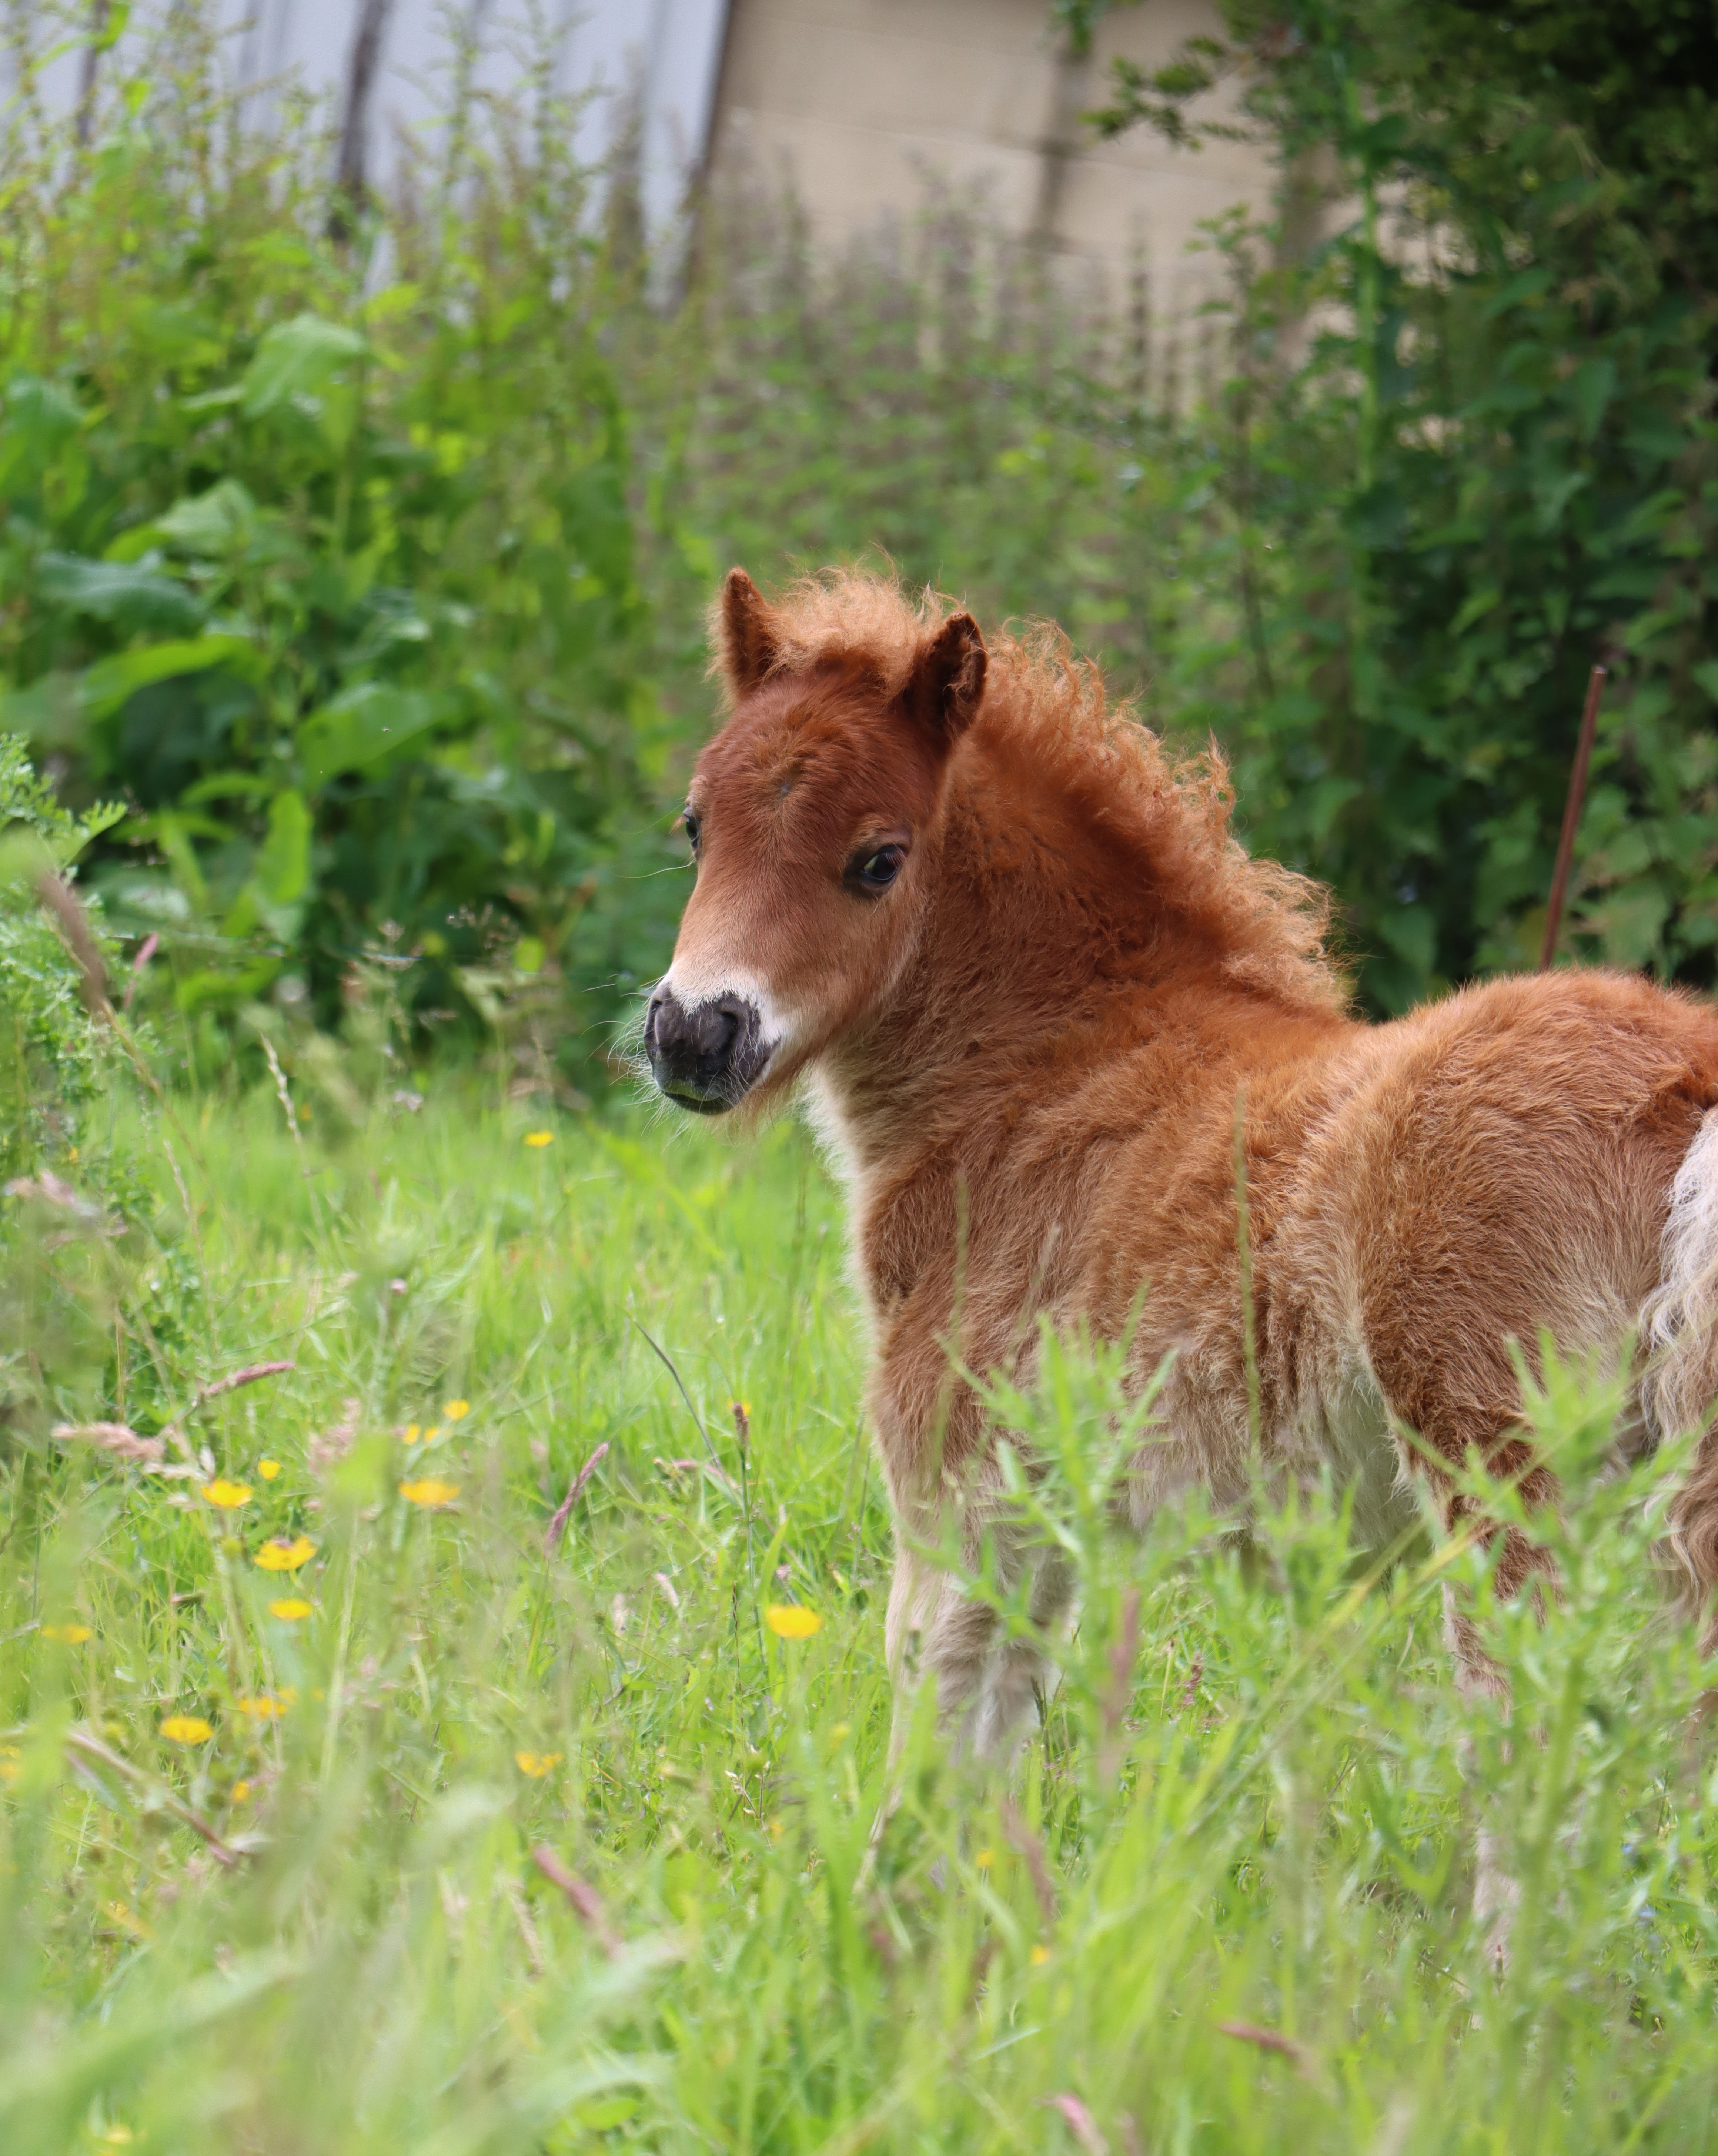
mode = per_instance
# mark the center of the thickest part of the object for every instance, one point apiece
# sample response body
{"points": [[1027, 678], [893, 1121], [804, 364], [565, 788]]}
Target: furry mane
{"points": [[1050, 708]]}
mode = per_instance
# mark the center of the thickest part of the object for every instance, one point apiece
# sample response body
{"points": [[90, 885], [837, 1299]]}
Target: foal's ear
{"points": [[948, 679], [743, 635]]}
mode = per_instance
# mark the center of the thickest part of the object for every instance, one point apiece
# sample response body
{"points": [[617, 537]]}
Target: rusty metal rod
{"points": [[1572, 818]]}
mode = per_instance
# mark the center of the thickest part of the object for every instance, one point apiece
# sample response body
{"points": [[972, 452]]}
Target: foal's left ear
{"points": [[947, 679]]}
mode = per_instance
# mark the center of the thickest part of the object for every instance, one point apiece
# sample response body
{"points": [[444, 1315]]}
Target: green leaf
{"points": [[107, 685], [209, 525], [1590, 390], [299, 358], [1411, 932], [1706, 674], [362, 724], [282, 869], [1475, 607], [131, 598]]}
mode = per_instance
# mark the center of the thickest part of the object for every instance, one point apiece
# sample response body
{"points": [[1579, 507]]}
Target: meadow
{"points": [[469, 1738]]}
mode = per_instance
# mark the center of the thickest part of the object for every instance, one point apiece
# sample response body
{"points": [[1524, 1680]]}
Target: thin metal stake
{"points": [[1572, 818]]}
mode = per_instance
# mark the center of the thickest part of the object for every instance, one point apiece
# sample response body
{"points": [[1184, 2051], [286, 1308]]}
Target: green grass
{"points": [[1252, 1801]]}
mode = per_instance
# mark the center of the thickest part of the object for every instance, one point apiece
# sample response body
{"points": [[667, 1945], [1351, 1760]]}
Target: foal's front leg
{"points": [[986, 1681]]}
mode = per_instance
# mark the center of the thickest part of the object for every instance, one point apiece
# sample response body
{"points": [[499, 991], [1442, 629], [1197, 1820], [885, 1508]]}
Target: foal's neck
{"points": [[1026, 980]]}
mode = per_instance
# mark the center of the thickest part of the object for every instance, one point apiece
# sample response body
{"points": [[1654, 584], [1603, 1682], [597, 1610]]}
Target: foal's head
{"points": [[808, 816]]}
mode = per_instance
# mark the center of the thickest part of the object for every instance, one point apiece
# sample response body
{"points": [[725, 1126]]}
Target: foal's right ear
{"points": [[743, 633], [947, 679]]}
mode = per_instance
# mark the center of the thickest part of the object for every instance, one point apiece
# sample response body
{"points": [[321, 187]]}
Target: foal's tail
{"points": [[1679, 1389]]}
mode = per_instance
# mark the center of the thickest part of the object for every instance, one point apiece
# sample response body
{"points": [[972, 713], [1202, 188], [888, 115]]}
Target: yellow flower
{"points": [[789, 1622], [117, 2137], [73, 1635], [241, 1790], [9, 1762], [263, 1708], [1039, 1955], [228, 1495], [432, 1433], [289, 1608], [286, 1552], [539, 1137], [413, 1433], [457, 1411], [431, 1491], [983, 1860], [268, 1469], [536, 1764], [186, 1729]]}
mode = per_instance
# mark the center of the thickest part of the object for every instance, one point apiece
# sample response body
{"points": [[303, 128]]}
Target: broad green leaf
{"points": [[209, 525], [107, 685], [132, 598], [299, 358], [363, 723]]}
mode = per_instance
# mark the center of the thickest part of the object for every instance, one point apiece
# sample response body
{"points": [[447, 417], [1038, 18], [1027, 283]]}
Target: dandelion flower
{"points": [[263, 1708], [536, 1764], [228, 1495], [457, 1411], [268, 1469], [430, 1492], [187, 1729], [290, 1609], [286, 1552], [539, 1137], [73, 1635], [789, 1622]]}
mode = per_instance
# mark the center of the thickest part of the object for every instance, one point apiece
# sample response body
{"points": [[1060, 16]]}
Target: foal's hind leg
{"points": [[1485, 1420]]}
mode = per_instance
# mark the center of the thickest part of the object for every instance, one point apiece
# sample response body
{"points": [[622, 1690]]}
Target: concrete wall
{"points": [[855, 102]]}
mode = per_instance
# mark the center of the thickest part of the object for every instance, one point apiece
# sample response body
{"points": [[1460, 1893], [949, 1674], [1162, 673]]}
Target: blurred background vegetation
{"points": [[359, 550]]}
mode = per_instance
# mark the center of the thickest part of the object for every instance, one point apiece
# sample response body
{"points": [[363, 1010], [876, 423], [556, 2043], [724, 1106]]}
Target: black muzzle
{"points": [[706, 1057]]}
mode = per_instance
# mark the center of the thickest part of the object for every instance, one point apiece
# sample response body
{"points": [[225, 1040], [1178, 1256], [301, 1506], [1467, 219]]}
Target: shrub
{"points": [[334, 584]]}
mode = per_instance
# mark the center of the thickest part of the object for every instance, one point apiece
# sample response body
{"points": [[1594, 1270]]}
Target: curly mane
{"points": [[1048, 710]]}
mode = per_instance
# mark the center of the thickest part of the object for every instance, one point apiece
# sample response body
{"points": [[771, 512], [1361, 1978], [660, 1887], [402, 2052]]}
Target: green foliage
{"points": [[1220, 1905], [1498, 467], [335, 585]]}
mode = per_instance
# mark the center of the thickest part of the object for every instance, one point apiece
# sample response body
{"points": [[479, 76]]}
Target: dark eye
{"points": [[694, 824], [874, 872]]}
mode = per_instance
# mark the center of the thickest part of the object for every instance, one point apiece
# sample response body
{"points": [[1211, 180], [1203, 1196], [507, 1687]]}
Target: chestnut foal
{"points": [[1021, 973]]}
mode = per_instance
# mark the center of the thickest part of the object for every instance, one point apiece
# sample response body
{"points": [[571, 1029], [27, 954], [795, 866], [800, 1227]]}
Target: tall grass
{"points": [[1219, 1905]]}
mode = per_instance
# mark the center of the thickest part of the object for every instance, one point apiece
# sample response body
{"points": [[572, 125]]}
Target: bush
{"points": [[336, 584], [1498, 467]]}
